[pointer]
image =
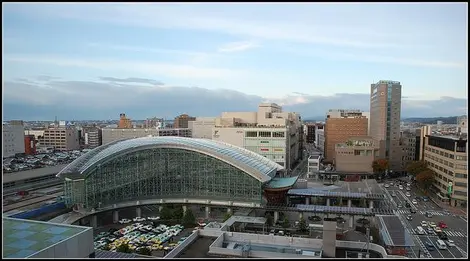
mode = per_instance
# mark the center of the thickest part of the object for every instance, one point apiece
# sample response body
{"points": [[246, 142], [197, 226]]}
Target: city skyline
{"points": [[96, 61]]}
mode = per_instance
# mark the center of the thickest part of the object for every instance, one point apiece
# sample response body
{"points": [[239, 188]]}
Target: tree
{"points": [[379, 165], [269, 220], [416, 167], [178, 213], [166, 213], [123, 248], [425, 178], [145, 251], [189, 219], [302, 225], [286, 223], [227, 216]]}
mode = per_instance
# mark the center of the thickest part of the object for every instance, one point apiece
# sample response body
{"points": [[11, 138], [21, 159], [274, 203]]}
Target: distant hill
{"points": [[433, 120]]}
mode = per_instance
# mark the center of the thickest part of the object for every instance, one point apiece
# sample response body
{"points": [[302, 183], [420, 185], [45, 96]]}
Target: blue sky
{"points": [[112, 57]]}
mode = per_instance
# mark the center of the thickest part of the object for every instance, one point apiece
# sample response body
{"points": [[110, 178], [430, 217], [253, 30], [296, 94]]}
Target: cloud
{"points": [[76, 100], [131, 80], [167, 69], [237, 47]]}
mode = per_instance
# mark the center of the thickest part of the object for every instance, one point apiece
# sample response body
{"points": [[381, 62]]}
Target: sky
{"points": [[95, 61]]}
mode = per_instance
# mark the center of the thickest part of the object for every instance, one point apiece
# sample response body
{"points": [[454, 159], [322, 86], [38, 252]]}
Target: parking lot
{"points": [[456, 227], [28, 162]]}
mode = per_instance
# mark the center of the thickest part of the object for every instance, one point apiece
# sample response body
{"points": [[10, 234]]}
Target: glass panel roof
{"points": [[263, 168]]}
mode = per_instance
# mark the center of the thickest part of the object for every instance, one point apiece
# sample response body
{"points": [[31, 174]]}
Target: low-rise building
{"points": [[61, 137], [182, 121], [91, 137], [202, 127], [356, 155], [447, 157], [29, 144], [113, 134], [13, 138]]}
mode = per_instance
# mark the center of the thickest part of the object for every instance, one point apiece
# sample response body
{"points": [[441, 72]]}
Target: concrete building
{"points": [[38, 134], [340, 126], [13, 138], [29, 145], [113, 134], [385, 110], [311, 130], [124, 122], [202, 127], [182, 121], [462, 122], [314, 163], [269, 132], [409, 138], [61, 138], [92, 137], [154, 123], [424, 130], [447, 157], [356, 155], [320, 140]]}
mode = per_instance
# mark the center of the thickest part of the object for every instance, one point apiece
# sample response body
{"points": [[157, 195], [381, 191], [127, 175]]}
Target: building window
{"points": [[461, 158], [357, 152], [251, 134], [460, 193], [460, 176], [278, 134], [460, 184], [460, 166], [265, 134]]}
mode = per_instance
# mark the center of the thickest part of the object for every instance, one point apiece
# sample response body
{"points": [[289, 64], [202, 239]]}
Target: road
{"points": [[456, 225]]}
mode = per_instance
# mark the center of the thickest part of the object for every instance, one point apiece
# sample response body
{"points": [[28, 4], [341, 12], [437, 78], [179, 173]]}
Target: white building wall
{"points": [[367, 115], [202, 127], [320, 140], [110, 135], [13, 140], [313, 164]]}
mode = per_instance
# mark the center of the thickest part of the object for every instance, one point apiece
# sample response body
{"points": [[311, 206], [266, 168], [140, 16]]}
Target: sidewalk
{"points": [[451, 209]]}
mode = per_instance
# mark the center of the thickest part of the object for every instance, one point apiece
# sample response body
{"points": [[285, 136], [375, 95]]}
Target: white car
{"points": [[125, 221], [153, 218], [400, 187], [450, 243], [387, 186], [408, 194], [139, 219], [424, 223], [408, 189], [414, 201]]}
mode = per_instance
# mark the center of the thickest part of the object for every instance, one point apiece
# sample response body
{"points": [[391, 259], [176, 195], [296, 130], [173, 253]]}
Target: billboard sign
{"points": [[449, 188]]}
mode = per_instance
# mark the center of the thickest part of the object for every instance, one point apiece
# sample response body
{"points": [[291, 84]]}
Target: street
{"points": [[456, 231]]}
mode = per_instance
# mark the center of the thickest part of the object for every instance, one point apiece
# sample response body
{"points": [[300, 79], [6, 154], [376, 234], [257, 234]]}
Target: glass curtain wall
{"points": [[166, 173]]}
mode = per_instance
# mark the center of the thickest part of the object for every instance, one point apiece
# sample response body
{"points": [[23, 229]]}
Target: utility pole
{"points": [[368, 239]]}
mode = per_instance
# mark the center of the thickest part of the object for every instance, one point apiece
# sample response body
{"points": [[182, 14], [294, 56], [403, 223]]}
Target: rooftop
{"points": [[393, 232], [277, 182], [23, 238]]}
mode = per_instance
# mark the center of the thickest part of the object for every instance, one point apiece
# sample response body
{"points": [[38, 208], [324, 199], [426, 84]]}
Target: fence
{"points": [[39, 211]]}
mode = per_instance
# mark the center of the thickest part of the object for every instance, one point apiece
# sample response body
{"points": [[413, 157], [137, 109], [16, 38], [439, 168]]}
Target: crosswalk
{"points": [[449, 233], [434, 213]]}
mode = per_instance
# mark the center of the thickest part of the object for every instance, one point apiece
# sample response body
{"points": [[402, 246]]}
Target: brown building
{"points": [[182, 121], [385, 110], [340, 127], [124, 122], [356, 155], [29, 145]]}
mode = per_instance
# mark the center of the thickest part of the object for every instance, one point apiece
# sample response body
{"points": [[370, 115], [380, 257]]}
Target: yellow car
{"points": [[172, 244]]}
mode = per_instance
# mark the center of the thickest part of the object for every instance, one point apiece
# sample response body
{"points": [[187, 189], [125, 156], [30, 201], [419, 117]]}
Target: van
{"points": [[441, 245]]}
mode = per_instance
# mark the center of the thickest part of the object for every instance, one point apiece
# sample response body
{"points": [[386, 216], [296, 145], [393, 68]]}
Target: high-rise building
{"points": [[91, 136], [124, 122], [340, 126], [182, 121], [385, 110], [61, 137], [13, 138]]}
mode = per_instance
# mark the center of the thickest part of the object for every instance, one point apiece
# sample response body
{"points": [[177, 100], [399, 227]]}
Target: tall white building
{"points": [[13, 138], [202, 127], [320, 140], [269, 132]]}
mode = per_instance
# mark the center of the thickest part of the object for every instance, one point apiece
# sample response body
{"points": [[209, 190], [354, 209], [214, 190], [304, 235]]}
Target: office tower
{"points": [[385, 110]]}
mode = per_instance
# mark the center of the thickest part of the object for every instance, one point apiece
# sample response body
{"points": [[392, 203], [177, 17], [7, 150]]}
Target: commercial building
{"points": [[423, 132], [410, 145], [29, 145], [91, 137], [154, 123], [462, 122], [385, 111], [36, 239], [356, 155], [111, 134], [311, 129], [320, 140], [124, 122], [314, 163], [202, 127], [182, 121], [165, 168], [447, 157], [340, 126], [61, 137], [269, 132], [13, 138]]}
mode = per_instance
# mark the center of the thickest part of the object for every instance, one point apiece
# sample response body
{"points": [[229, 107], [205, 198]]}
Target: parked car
{"points": [[437, 229], [432, 224], [424, 223], [408, 194]]}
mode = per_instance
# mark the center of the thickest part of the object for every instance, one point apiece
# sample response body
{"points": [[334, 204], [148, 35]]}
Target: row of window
{"points": [[440, 152], [437, 167], [445, 162], [265, 134], [461, 176]]}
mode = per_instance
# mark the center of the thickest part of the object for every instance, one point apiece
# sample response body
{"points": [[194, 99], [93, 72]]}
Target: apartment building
{"points": [[61, 137], [311, 130], [113, 134], [182, 121], [385, 112], [409, 140], [340, 126], [91, 137], [447, 157], [424, 131], [269, 132], [13, 138], [202, 127], [124, 122], [320, 140], [356, 155]]}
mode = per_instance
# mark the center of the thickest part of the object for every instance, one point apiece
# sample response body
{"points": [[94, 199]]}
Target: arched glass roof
{"points": [[254, 164]]}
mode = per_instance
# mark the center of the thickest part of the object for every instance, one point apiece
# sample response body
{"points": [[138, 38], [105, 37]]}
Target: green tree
{"points": [[286, 223], [166, 213], [145, 251], [425, 178], [302, 225], [178, 213], [123, 248], [189, 219], [269, 220], [416, 167], [227, 216]]}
